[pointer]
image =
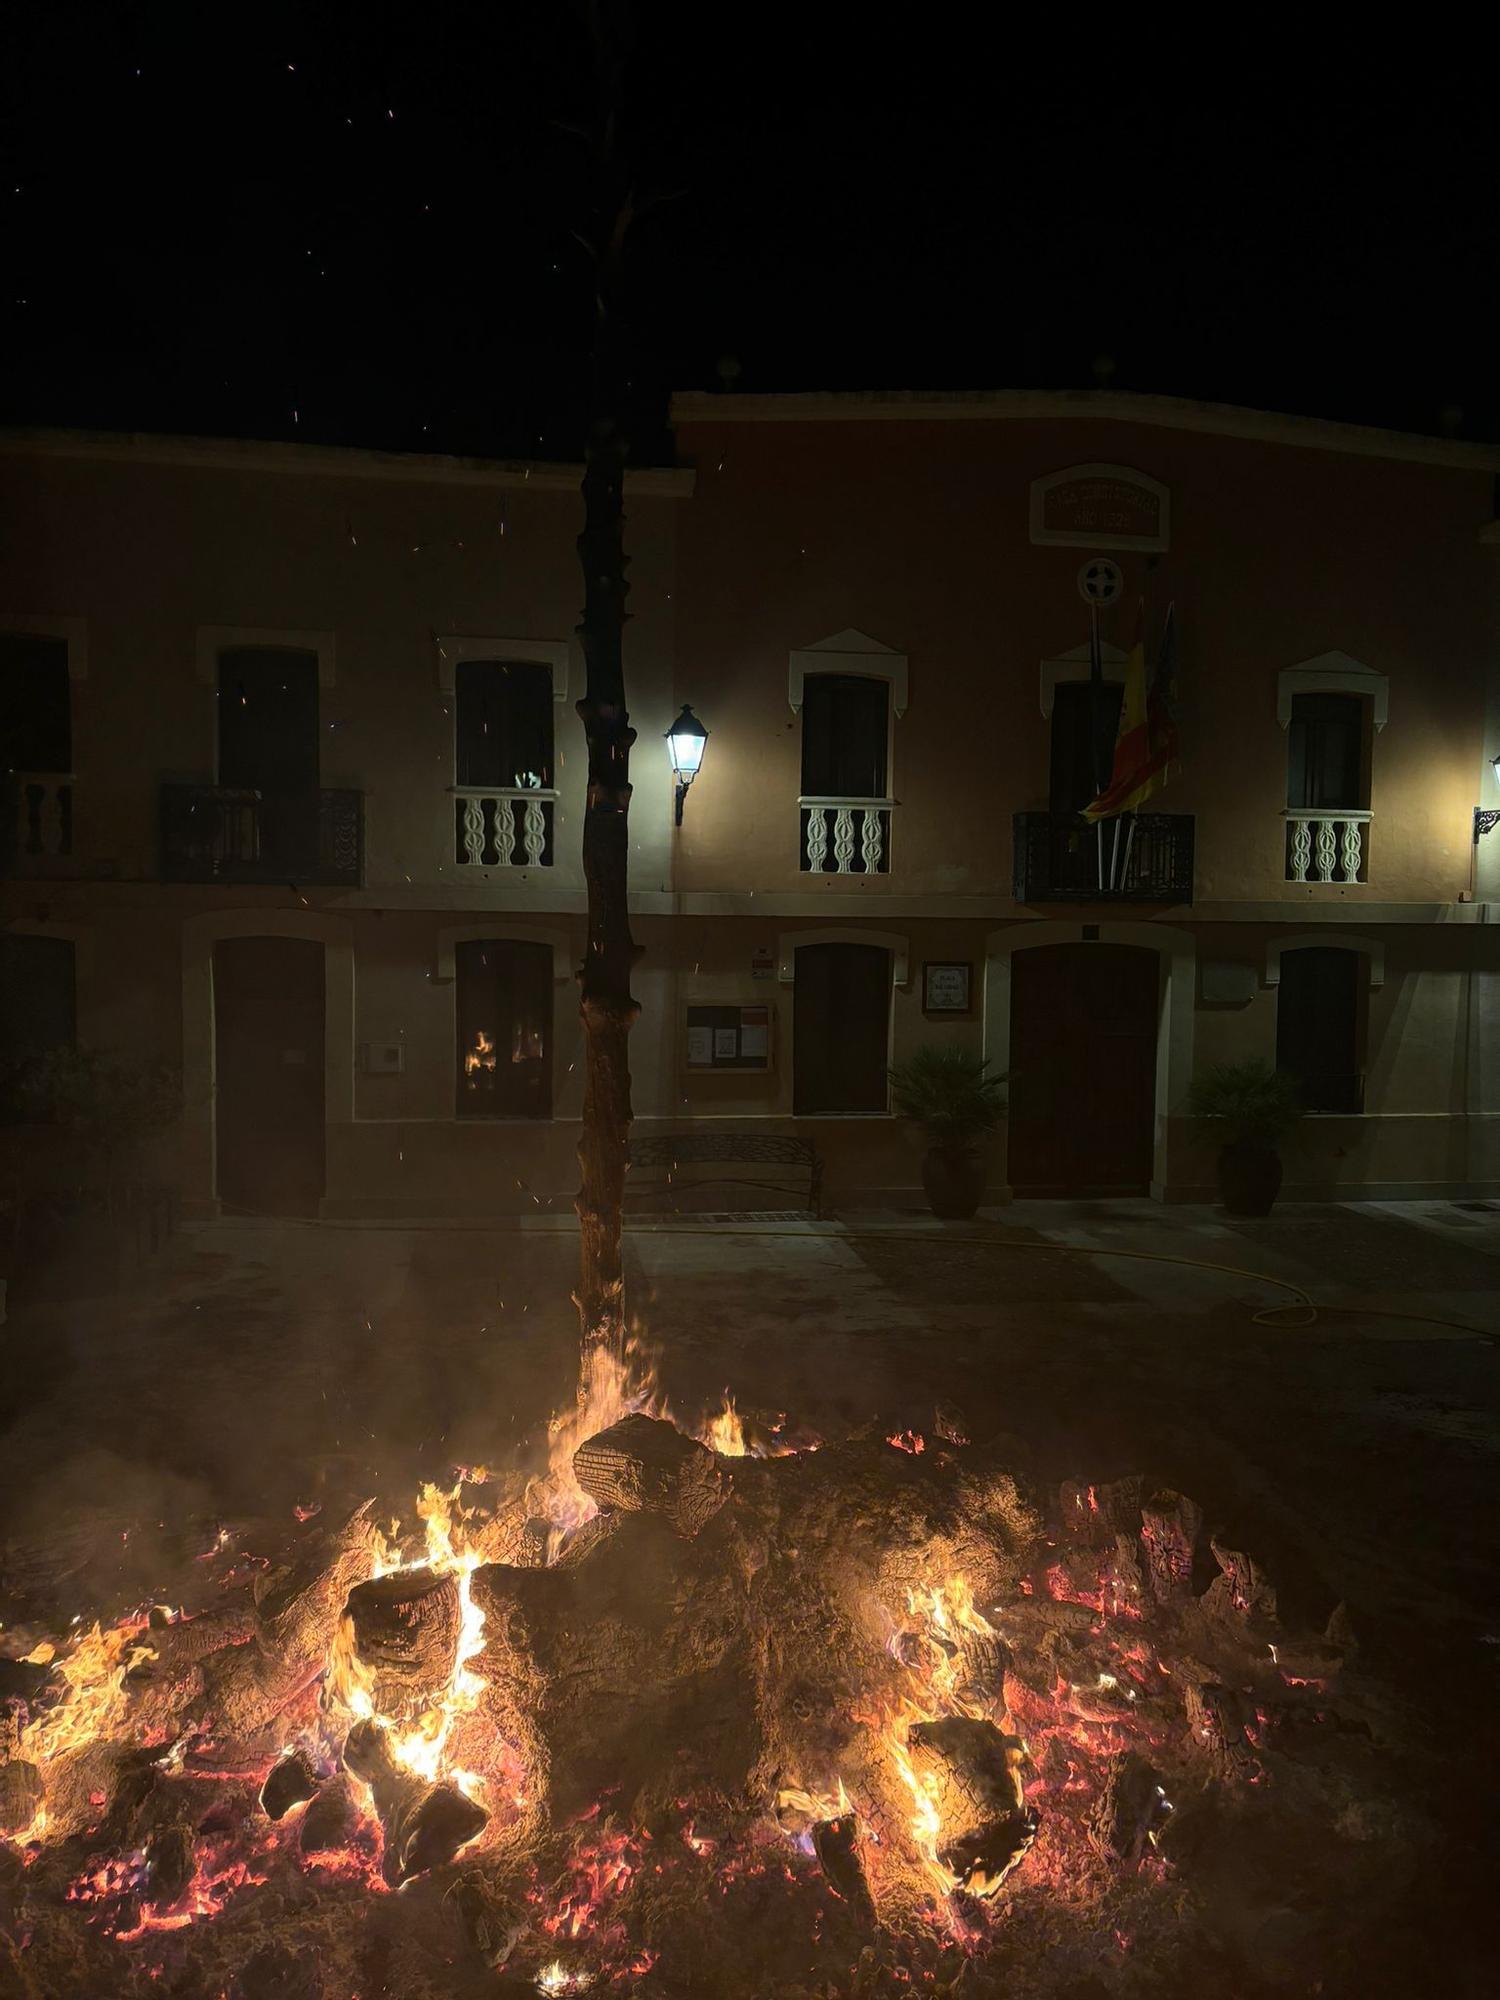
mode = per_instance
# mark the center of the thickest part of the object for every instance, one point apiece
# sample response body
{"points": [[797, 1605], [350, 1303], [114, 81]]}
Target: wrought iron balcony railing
{"points": [[221, 833], [1139, 858]]}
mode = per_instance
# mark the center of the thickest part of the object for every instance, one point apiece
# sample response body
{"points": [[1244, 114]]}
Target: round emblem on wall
{"points": [[1100, 583]]}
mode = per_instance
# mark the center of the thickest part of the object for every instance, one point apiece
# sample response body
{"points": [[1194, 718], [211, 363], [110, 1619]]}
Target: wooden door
{"points": [[841, 1028], [1083, 1021], [268, 1074]]}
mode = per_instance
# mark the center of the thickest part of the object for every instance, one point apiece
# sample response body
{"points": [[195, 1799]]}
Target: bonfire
{"points": [[715, 1707]]}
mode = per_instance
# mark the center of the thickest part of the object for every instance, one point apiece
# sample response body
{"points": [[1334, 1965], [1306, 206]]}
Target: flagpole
{"points": [[1096, 682], [1129, 837], [1114, 854]]}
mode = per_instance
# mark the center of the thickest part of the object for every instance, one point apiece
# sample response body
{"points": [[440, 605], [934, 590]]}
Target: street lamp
{"points": [[685, 741], [1485, 817]]}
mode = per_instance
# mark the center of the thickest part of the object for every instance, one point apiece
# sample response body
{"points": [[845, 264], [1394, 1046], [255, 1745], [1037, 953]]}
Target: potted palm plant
{"points": [[950, 1094], [1254, 1107]]}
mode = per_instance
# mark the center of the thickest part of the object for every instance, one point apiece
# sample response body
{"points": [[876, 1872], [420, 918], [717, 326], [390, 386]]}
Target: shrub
{"points": [[1254, 1103], [950, 1094]]}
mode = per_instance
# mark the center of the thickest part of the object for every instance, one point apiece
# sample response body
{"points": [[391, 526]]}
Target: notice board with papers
{"points": [[729, 1038]]}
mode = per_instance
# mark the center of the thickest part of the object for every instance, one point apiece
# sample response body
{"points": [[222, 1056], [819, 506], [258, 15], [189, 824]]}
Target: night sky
{"points": [[355, 224]]}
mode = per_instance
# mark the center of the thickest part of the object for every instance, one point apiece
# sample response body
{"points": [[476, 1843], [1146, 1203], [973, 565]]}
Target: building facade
{"points": [[297, 785]]}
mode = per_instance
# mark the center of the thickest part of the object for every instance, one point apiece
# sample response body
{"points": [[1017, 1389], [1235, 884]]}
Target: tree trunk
{"points": [[607, 1006]]}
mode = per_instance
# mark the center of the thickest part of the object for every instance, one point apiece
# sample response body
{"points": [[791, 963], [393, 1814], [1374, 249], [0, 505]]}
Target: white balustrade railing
{"points": [[502, 826], [1327, 845], [846, 836], [44, 817]]}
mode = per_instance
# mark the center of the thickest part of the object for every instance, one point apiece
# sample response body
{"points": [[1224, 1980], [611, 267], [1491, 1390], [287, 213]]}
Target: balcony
{"points": [[1327, 846], [42, 823], [858, 841], [1147, 858], [503, 826], [220, 833]]}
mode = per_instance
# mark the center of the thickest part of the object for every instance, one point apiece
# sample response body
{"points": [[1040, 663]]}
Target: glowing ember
{"points": [[912, 1441]]}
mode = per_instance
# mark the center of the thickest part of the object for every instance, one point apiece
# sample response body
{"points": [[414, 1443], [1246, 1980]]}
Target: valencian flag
{"points": [[1147, 741]]}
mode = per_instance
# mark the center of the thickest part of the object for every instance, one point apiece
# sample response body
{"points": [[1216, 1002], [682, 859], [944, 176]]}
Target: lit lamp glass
{"points": [[685, 741]]}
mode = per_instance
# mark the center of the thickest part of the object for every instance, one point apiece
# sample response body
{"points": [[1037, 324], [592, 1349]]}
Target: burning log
{"points": [[981, 1663], [20, 1795], [836, 1844], [1129, 1804], [641, 1465], [973, 1771], [291, 1781], [424, 1825], [247, 1687], [1170, 1526], [403, 1630]]}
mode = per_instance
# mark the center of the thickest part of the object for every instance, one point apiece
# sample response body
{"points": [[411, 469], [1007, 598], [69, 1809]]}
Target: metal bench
{"points": [[673, 1157]]}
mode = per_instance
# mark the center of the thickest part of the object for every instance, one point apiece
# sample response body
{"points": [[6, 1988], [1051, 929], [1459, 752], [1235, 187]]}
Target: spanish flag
{"points": [[1147, 739]]}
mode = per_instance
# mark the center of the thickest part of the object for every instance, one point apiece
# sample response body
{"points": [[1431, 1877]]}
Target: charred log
{"points": [[170, 1865], [424, 1825], [1218, 1718], [492, 1925], [20, 1795], [980, 1666], [641, 1465], [328, 1819], [1127, 1808], [290, 1782], [1170, 1526], [1241, 1591], [403, 1630], [836, 1844], [1095, 1514]]}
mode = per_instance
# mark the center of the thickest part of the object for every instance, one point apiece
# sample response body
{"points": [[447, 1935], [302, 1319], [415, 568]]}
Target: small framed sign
{"points": [[728, 1037], [947, 988]]}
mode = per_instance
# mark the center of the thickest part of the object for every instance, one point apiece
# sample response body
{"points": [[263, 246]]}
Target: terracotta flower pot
{"points": [[1249, 1177], [954, 1183]]}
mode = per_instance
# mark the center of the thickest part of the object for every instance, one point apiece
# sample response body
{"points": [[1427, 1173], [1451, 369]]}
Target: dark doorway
{"points": [[268, 1074], [38, 1011], [268, 746], [841, 1024], [1318, 1028], [503, 1006], [1083, 1021]]}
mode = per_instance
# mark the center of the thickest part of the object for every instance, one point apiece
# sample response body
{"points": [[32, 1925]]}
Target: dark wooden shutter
{"points": [[504, 723], [1325, 752], [504, 1023], [845, 732], [841, 1029], [1085, 722], [36, 732], [268, 721], [1317, 1026]]}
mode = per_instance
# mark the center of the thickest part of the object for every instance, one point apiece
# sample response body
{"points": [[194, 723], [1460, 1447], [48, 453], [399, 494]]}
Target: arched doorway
{"points": [[1083, 1041]]}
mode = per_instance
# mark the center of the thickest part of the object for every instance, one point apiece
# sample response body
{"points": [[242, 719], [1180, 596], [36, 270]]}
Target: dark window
{"points": [[844, 735], [1326, 752], [503, 742], [504, 1019], [38, 1009], [36, 732], [1319, 1031], [268, 721], [841, 1013], [1085, 722]]}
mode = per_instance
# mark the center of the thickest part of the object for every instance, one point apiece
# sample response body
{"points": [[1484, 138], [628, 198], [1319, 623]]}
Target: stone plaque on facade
{"points": [[1100, 507]]}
